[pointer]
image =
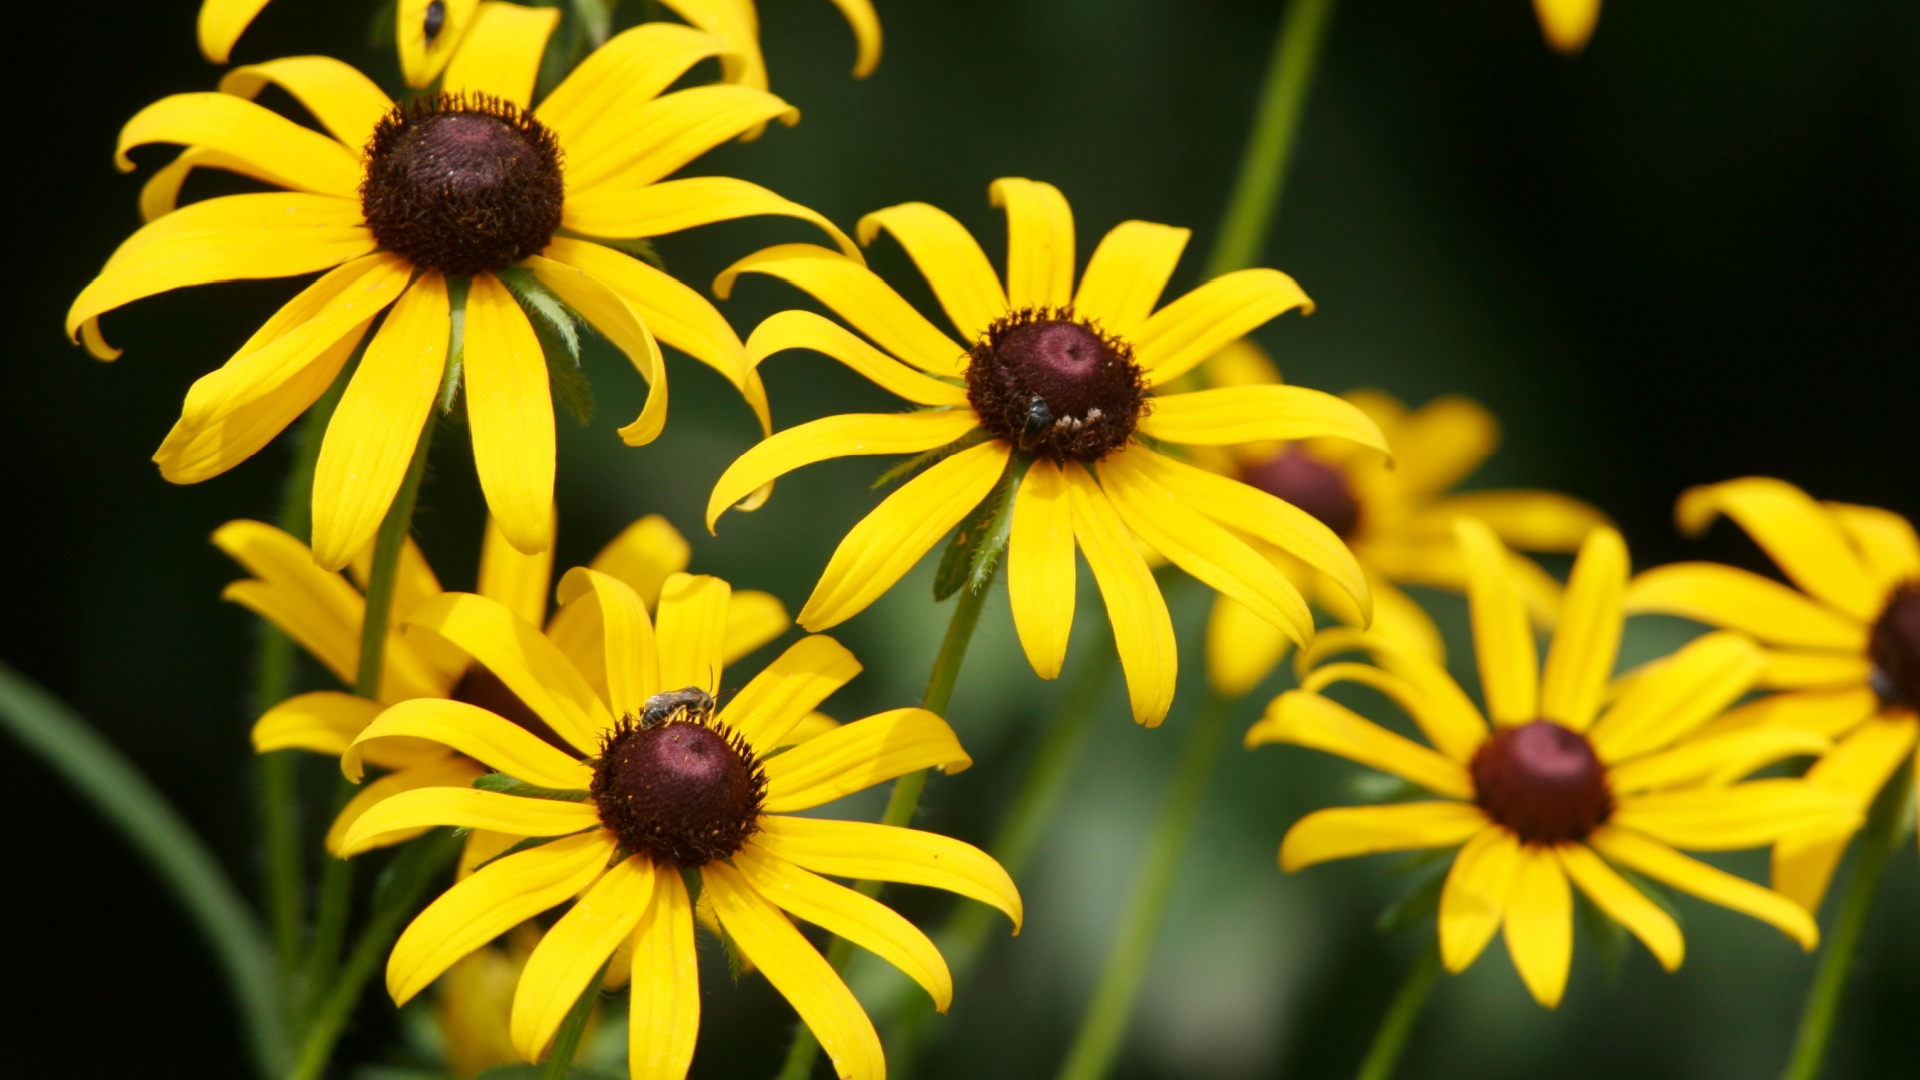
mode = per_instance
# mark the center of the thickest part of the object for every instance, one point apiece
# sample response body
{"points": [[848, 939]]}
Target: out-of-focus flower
{"points": [[1844, 650], [1398, 520], [1043, 410], [738, 23], [1577, 776], [1567, 23], [399, 203], [658, 789]]}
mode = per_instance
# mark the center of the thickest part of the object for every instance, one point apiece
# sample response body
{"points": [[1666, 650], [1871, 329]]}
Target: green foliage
{"points": [[507, 785], [975, 549]]}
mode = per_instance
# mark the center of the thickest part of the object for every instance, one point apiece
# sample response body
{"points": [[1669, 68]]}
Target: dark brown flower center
{"points": [[1055, 386], [462, 184], [1542, 782], [1894, 648], [483, 688], [1295, 476], [685, 792]]}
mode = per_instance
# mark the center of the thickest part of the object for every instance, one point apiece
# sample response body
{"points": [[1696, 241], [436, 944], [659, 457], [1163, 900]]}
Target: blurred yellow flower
{"points": [[654, 789], [1398, 520], [1576, 776], [1040, 409], [399, 204], [1567, 23], [739, 24], [1844, 650]]}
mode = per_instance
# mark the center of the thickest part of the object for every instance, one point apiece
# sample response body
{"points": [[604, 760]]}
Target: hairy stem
{"points": [[1384, 1053]]}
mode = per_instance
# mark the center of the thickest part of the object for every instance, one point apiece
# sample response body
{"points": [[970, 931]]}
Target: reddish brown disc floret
{"points": [[1055, 386], [1894, 648], [1542, 782], [1298, 477], [684, 793]]}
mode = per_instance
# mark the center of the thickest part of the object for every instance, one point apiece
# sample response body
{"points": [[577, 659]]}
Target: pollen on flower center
{"points": [[1894, 648], [1298, 477], [685, 792], [1055, 386], [462, 184], [1543, 782]]}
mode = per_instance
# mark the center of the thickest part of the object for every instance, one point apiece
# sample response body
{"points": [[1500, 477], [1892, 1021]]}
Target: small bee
{"points": [[695, 702], [1039, 421], [436, 19]]}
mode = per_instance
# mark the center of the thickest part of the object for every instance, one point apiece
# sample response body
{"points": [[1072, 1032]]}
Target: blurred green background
{"points": [[1689, 254]]}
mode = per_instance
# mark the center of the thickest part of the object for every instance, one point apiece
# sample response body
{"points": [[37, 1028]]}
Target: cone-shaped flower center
{"points": [[1543, 782], [483, 688], [1894, 649], [685, 792], [1298, 477], [1055, 386], [462, 185]]}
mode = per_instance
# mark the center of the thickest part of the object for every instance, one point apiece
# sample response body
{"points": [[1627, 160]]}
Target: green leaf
{"points": [[1415, 907], [1609, 937], [975, 549], [596, 19], [546, 308], [638, 247], [507, 785], [1379, 787]]}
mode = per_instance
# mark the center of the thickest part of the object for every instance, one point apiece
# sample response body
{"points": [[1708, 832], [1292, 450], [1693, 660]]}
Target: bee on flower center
{"points": [[1543, 782], [1055, 386], [1298, 477], [676, 785], [462, 184], [1894, 648]]}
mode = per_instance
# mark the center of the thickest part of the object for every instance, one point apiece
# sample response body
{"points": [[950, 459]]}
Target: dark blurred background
{"points": [[1690, 254]]}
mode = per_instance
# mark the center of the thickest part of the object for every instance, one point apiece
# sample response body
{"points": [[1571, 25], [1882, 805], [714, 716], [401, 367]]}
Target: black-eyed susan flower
{"points": [[1575, 778], [1398, 521], [396, 204], [323, 612], [660, 791], [1567, 24], [1058, 392], [1844, 651]]}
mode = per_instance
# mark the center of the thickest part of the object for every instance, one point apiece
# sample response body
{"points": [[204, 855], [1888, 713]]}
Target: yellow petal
{"points": [[1665, 704], [379, 421], [1828, 712], [1040, 251], [631, 148], [798, 972], [1539, 925], [1127, 273], [857, 295], [811, 726], [480, 735], [610, 313], [345, 101], [1502, 636], [1528, 520], [570, 954], [499, 55], [692, 620], [888, 541], [1245, 363], [160, 195], [1624, 904], [323, 721], [422, 60], [1663, 864], [1824, 671], [632, 68], [1396, 617], [1580, 660], [515, 581], [443, 772], [753, 619], [1307, 719], [1241, 414], [843, 436], [1474, 899], [664, 1016], [1567, 24], [1802, 537], [844, 913], [616, 210], [806, 330], [1348, 831], [1446, 716], [280, 150], [765, 710], [1242, 648], [510, 413], [867, 852], [1885, 539], [865, 23], [524, 659], [1714, 760], [857, 756], [319, 610], [630, 656], [1176, 338], [1441, 443], [1746, 815], [1456, 732], [496, 898], [221, 23], [1142, 628], [1040, 568], [466, 808], [949, 258], [1804, 862], [644, 555], [1736, 599]]}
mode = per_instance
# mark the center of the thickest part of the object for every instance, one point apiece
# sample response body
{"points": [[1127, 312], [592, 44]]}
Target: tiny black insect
{"points": [[1039, 419], [436, 19], [697, 703]]}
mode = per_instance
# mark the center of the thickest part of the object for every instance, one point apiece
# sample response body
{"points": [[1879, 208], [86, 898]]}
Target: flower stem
{"points": [[1407, 1005], [1269, 149], [905, 799], [1104, 1025], [1877, 839], [70, 746], [566, 1041]]}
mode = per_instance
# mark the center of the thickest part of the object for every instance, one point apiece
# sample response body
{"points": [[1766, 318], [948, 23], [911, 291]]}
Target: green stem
{"points": [[70, 746], [566, 1041], [905, 799], [1877, 839], [1407, 1005], [1269, 149], [1104, 1026]]}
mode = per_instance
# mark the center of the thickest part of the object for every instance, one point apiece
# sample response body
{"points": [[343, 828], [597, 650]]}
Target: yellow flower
{"points": [[1051, 393], [1398, 520], [428, 31], [1567, 23], [660, 789], [323, 612], [468, 183], [1845, 649], [1577, 776]]}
